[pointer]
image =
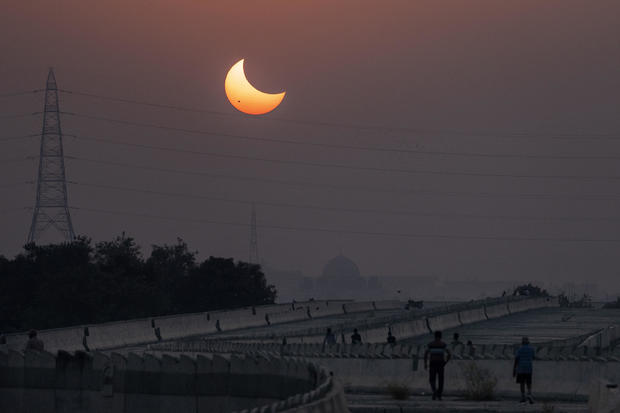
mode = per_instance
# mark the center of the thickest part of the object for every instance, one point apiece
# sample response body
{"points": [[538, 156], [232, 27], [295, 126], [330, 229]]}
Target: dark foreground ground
{"points": [[379, 403]]}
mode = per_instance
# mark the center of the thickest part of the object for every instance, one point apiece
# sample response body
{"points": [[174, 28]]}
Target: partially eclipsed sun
{"points": [[245, 97]]}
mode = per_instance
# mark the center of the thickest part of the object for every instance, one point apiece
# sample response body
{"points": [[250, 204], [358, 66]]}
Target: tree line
{"points": [[57, 285]]}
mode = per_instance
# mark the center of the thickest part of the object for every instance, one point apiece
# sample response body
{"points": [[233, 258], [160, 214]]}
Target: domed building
{"points": [[340, 275]]}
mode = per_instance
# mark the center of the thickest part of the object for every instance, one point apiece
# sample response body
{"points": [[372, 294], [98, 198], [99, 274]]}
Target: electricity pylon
{"points": [[51, 208], [253, 238]]}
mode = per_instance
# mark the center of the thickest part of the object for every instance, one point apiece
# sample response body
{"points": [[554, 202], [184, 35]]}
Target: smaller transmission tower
{"points": [[253, 238], [51, 208]]}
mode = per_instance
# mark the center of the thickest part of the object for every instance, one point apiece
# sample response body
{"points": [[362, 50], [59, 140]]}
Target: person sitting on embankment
{"points": [[34, 343]]}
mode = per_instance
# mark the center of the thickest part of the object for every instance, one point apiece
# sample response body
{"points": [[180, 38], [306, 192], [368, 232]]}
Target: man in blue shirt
{"points": [[522, 369]]}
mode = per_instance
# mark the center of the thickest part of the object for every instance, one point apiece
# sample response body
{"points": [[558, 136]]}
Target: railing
{"points": [[316, 350]]}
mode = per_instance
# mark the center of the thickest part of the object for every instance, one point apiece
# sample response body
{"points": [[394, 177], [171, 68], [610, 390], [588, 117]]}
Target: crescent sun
{"points": [[245, 97]]}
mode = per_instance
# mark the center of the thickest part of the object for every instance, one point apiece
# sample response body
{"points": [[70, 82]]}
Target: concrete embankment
{"points": [[93, 382], [603, 338], [136, 332], [564, 372], [409, 324]]}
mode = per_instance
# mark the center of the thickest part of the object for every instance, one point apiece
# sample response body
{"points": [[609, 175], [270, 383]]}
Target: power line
{"points": [[347, 210], [16, 209], [305, 184], [352, 232], [20, 115], [328, 124], [15, 138], [13, 160], [16, 184], [577, 138], [352, 167], [350, 147], [22, 93], [144, 103]]}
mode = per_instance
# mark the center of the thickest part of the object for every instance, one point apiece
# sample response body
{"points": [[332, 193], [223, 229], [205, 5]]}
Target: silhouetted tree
{"points": [[530, 290], [222, 283], [73, 283]]}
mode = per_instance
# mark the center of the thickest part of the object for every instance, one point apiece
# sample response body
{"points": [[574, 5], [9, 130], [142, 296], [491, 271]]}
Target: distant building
{"points": [[374, 284], [341, 278], [341, 274]]}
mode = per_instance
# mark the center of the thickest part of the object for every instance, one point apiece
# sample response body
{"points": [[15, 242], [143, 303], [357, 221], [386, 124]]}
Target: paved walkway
{"points": [[377, 403]]}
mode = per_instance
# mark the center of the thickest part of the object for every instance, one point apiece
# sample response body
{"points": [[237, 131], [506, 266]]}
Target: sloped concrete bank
{"points": [[113, 335], [375, 329], [411, 326], [603, 338], [563, 372], [93, 382], [382, 351]]}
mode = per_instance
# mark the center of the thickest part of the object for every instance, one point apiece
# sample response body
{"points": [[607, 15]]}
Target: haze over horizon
{"points": [[481, 139]]}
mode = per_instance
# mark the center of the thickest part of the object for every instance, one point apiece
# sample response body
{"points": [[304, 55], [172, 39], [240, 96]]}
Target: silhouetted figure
{"points": [[523, 369], [283, 346], [33, 342], [456, 340], [471, 349], [438, 353], [355, 337], [391, 339], [330, 339]]}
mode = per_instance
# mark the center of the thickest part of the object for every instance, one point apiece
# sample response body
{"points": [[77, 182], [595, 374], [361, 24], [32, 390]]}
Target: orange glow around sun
{"points": [[245, 97]]}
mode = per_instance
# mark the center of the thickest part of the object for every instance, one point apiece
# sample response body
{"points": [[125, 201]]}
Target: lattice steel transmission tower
{"points": [[253, 238], [51, 208]]}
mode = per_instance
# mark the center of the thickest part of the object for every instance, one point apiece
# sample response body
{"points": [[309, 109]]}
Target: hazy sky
{"points": [[507, 78]]}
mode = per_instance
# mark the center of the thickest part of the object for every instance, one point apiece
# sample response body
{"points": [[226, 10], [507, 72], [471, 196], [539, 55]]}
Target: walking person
{"points": [[471, 349], [355, 337], [438, 355], [283, 346], [329, 340], [523, 368], [391, 340], [456, 340]]}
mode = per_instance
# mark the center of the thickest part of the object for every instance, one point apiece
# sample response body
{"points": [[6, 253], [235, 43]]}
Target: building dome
{"points": [[340, 274], [341, 267]]}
